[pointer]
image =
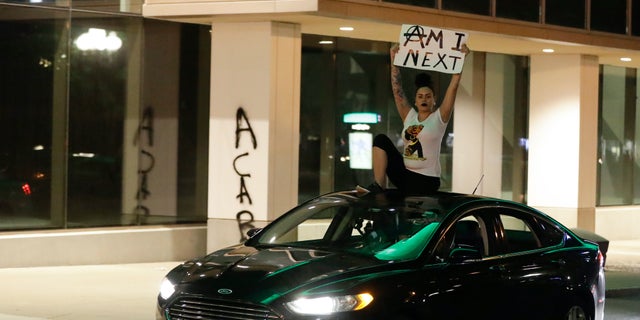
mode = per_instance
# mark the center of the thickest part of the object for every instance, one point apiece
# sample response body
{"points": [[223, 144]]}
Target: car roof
{"points": [[444, 201]]}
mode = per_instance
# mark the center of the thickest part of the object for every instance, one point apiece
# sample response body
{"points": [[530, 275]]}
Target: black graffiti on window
{"points": [[145, 128], [243, 126]]}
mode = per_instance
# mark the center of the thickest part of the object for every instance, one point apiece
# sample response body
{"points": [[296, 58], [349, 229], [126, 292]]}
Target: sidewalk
{"points": [[128, 291], [624, 255], [95, 292], [622, 270]]}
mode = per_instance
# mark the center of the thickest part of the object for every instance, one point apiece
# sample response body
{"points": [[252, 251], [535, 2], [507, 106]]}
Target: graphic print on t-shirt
{"points": [[413, 150]]}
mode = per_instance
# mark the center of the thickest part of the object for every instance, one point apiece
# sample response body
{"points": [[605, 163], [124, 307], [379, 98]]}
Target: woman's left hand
{"points": [[465, 49]]}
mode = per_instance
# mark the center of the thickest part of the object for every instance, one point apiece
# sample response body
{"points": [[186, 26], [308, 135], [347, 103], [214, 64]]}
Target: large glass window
{"points": [[419, 3], [346, 77], [132, 6], [568, 13], [506, 101], [635, 17], [33, 51], [609, 16], [526, 10], [619, 133], [101, 119], [349, 79], [482, 7]]}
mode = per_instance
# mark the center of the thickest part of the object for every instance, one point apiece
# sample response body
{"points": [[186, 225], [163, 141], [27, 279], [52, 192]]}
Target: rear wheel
{"points": [[576, 313]]}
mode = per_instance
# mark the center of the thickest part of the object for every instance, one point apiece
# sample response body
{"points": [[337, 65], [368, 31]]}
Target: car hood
{"points": [[264, 274]]}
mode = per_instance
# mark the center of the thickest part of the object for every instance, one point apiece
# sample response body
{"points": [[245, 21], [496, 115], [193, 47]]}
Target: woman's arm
{"points": [[446, 108], [402, 103]]}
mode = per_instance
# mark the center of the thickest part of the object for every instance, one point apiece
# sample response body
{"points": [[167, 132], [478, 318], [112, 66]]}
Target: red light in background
{"points": [[26, 189]]}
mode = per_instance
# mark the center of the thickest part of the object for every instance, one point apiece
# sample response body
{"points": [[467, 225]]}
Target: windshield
{"points": [[387, 230]]}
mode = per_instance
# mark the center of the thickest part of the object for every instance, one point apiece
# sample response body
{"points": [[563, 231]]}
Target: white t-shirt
{"points": [[422, 142]]}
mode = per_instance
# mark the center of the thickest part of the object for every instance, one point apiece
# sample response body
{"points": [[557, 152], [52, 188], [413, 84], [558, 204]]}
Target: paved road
{"points": [[623, 307]]}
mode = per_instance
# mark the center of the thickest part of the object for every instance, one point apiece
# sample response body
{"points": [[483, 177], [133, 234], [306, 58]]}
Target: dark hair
{"points": [[423, 80]]}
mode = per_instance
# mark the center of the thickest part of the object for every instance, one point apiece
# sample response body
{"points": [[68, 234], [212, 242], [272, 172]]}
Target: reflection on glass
{"points": [[97, 101], [618, 162]]}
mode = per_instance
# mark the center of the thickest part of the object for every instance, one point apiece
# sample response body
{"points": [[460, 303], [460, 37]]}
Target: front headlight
{"points": [[166, 289], [329, 305]]}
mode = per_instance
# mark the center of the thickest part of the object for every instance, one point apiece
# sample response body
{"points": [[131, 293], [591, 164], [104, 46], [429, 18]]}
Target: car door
{"points": [[531, 273], [469, 284]]}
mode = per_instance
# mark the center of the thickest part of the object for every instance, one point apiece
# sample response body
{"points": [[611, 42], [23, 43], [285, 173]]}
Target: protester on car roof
{"points": [[417, 169]]}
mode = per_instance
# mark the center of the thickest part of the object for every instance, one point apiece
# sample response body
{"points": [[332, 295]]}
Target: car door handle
{"points": [[498, 268]]}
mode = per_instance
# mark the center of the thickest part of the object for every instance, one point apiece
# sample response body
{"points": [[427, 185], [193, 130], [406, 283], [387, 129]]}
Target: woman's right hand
{"points": [[392, 52]]}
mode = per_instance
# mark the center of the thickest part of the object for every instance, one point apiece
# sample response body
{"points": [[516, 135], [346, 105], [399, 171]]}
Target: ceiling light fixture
{"points": [[625, 59], [325, 42], [346, 28], [548, 50]]}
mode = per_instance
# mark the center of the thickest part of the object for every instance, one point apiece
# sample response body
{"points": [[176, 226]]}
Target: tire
{"points": [[576, 312]]}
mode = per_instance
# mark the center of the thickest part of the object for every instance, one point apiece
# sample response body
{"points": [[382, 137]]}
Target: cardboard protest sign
{"points": [[431, 49]]}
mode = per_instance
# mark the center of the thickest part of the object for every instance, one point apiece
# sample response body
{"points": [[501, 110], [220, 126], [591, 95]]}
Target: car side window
{"points": [[467, 233], [518, 234], [550, 235]]}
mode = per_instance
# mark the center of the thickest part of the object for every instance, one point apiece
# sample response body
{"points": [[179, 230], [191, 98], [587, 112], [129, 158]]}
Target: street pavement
{"points": [[128, 291]]}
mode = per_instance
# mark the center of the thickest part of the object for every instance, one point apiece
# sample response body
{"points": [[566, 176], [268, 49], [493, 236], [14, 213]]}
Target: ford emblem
{"points": [[225, 291]]}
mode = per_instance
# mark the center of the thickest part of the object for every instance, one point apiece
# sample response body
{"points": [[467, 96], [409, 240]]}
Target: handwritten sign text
{"points": [[431, 49]]}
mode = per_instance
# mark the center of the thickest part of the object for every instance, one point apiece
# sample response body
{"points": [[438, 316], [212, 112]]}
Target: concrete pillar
{"points": [[563, 124], [254, 125]]}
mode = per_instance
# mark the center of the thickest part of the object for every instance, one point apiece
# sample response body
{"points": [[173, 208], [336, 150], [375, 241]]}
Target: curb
{"points": [[622, 280], [621, 293]]}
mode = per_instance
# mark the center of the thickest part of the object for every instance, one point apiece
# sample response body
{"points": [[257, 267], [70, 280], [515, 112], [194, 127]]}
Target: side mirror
{"points": [[460, 255], [252, 232]]}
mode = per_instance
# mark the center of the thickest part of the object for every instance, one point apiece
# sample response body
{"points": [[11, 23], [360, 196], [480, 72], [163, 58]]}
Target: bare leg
{"points": [[380, 166]]}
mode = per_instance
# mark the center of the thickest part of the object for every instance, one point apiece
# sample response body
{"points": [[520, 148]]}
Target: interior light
{"points": [[548, 50], [325, 42], [346, 28], [625, 59], [98, 39], [360, 127], [361, 117]]}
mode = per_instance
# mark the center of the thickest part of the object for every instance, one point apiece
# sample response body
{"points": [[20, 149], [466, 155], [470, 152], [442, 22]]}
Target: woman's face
{"points": [[425, 100]]}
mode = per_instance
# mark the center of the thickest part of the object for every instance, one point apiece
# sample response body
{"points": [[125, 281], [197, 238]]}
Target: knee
{"points": [[380, 141]]}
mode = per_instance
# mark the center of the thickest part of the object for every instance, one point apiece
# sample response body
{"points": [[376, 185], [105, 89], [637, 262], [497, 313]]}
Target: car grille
{"points": [[205, 309]]}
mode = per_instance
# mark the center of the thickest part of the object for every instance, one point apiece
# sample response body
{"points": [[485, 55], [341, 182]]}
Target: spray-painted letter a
{"points": [[242, 117]]}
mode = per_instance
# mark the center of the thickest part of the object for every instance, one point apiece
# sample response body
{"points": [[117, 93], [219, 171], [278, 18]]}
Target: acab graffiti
{"points": [[243, 128], [145, 126]]}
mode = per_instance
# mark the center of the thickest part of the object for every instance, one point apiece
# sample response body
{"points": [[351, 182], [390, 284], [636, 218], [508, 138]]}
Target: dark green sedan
{"points": [[359, 255]]}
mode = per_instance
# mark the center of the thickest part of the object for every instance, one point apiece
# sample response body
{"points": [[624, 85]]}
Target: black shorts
{"points": [[407, 181]]}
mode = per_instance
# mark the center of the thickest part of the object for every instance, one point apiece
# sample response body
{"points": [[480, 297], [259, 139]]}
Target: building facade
{"points": [[162, 130]]}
